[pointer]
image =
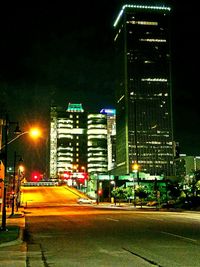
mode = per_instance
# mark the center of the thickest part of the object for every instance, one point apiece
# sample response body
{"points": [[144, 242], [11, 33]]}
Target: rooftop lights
{"points": [[139, 7]]}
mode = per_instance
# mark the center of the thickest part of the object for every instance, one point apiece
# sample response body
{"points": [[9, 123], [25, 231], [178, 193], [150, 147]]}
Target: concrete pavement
{"points": [[17, 219], [13, 252]]}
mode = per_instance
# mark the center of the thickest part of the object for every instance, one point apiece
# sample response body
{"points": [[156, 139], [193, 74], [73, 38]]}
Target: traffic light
{"points": [[100, 191], [36, 176]]}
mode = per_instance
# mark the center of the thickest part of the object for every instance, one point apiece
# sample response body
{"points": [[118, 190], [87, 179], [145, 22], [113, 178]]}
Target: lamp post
{"points": [[34, 133], [135, 168], [14, 181], [5, 147], [18, 191]]}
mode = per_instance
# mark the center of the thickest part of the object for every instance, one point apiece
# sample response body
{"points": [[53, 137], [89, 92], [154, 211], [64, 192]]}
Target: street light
{"points": [[33, 133], [135, 168], [18, 191], [14, 181], [5, 155]]}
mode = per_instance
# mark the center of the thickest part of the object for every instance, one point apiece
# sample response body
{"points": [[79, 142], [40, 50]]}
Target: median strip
{"points": [[145, 259], [111, 219], [180, 236]]}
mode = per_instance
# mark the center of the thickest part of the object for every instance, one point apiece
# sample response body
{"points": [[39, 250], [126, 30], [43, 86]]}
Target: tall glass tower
{"points": [[143, 90]]}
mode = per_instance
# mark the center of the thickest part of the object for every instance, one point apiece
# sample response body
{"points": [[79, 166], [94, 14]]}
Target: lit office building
{"points": [[185, 166], [81, 142], [68, 149], [97, 143], [111, 136], [143, 90]]}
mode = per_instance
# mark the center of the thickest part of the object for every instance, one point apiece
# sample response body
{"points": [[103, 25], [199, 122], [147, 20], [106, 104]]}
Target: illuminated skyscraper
{"points": [[143, 90], [81, 140], [68, 140], [111, 136], [97, 143]]}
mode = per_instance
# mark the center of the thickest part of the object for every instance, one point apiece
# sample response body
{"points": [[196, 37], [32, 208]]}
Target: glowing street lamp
{"points": [[5, 157], [135, 167], [34, 132]]}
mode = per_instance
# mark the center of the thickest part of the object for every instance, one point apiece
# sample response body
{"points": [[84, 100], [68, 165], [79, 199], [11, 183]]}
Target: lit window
{"points": [[153, 40], [154, 23]]}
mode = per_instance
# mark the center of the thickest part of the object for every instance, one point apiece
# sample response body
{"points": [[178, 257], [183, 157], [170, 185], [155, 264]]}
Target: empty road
{"points": [[61, 233]]}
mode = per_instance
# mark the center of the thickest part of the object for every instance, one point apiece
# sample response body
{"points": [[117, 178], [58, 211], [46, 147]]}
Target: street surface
{"points": [[61, 233]]}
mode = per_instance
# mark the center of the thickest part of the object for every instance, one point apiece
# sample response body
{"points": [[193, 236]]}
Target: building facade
{"points": [[186, 165], [80, 141], [144, 128], [111, 136], [97, 143], [68, 150]]}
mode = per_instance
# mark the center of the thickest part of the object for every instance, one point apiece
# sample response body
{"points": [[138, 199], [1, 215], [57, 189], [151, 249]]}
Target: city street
{"points": [[60, 232], [100, 96]]}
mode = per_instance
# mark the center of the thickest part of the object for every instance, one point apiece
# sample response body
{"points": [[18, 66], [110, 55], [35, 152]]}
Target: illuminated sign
{"points": [[75, 175], [108, 111], [75, 108], [105, 177]]}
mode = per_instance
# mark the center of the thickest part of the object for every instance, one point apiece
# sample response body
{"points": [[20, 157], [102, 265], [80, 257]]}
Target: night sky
{"points": [[54, 54]]}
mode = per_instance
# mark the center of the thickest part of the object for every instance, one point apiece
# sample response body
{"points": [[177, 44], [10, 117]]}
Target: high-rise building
{"points": [[81, 141], [111, 136], [144, 127], [97, 143], [186, 165], [68, 142]]}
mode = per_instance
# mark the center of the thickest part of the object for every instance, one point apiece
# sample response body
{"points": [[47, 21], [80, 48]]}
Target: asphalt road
{"points": [[61, 233]]}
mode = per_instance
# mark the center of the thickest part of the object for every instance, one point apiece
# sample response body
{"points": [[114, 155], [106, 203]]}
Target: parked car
{"points": [[168, 204], [152, 203], [84, 200]]}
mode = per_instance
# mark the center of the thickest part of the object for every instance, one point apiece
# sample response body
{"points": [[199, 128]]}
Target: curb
{"points": [[17, 241], [75, 192], [21, 228]]}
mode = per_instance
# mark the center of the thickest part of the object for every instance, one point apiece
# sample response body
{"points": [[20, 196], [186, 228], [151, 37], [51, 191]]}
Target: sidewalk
{"points": [[15, 226], [124, 206]]}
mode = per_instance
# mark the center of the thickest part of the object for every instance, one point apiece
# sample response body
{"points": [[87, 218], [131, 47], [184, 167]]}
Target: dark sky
{"points": [[54, 54]]}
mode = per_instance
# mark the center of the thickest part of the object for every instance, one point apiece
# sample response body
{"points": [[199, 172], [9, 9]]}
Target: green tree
{"points": [[141, 193], [119, 193], [128, 192], [194, 184], [174, 190]]}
